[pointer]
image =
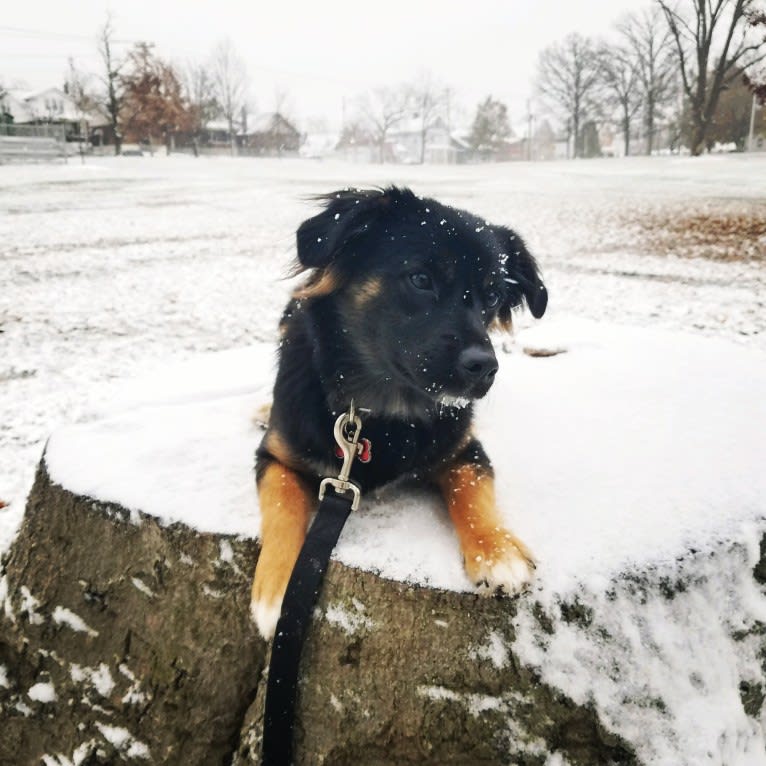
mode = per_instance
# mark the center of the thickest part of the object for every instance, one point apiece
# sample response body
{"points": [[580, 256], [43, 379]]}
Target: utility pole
{"points": [[529, 131], [751, 135], [448, 100]]}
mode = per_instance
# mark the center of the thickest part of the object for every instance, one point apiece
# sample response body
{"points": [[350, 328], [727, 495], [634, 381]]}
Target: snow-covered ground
{"points": [[649, 439], [110, 267]]}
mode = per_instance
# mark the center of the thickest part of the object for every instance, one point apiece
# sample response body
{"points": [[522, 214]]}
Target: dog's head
{"points": [[415, 286]]}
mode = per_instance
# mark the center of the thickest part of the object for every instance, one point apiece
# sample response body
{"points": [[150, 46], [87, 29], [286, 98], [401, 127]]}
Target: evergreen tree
{"points": [[490, 126]]}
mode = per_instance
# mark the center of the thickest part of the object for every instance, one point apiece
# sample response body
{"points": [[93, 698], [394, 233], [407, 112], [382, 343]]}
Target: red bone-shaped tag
{"points": [[363, 451]]}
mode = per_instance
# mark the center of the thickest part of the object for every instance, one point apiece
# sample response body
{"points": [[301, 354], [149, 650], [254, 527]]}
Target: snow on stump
{"points": [[631, 464]]}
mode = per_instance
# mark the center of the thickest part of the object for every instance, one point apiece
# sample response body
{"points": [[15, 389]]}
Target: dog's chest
{"points": [[400, 448]]}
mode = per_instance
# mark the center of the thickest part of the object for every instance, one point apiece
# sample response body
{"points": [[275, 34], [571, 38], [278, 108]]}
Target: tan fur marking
{"points": [[500, 325], [469, 493], [262, 416], [278, 447], [324, 284], [367, 291], [286, 501]]}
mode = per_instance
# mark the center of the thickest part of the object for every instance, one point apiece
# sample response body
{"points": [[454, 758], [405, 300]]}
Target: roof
{"points": [[415, 125], [16, 108], [28, 107], [267, 122]]}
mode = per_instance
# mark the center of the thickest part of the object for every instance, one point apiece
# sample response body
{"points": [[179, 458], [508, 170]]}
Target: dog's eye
{"points": [[422, 281], [492, 299]]}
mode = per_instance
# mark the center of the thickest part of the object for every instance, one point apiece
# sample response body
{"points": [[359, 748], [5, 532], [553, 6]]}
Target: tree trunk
{"points": [[145, 640], [626, 131], [698, 134], [649, 128]]}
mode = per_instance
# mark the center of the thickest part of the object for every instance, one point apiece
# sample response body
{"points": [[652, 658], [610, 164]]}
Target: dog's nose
{"points": [[477, 364]]}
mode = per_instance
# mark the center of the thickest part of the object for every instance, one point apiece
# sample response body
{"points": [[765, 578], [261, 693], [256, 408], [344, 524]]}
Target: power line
{"points": [[42, 34]]}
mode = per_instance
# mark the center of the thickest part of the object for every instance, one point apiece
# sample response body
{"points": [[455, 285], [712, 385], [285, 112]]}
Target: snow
{"points": [[350, 622], [100, 678], [63, 616], [124, 741], [630, 461], [79, 755], [29, 605], [639, 444], [3, 677], [618, 434], [142, 586], [42, 692]]}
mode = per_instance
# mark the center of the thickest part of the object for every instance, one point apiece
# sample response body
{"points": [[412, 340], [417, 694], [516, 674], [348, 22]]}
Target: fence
{"points": [[32, 143]]}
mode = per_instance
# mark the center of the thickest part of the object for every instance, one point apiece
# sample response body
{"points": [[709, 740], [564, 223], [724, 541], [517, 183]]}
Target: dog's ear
{"points": [[522, 276], [347, 215]]}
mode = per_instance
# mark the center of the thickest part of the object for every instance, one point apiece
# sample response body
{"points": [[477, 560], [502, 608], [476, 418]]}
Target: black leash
{"points": [[301, 597]]}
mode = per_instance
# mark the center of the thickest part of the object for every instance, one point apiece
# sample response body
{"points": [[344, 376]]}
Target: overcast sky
{"points": [[318, 52]]}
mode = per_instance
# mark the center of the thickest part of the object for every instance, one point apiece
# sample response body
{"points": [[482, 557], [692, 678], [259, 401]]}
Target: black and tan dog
{"points": [[394, 314]]}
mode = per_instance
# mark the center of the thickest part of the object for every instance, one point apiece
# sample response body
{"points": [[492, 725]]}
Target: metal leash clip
{"points": [[347, 421]]}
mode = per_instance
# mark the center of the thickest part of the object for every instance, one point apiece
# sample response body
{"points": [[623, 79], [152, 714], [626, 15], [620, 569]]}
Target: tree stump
{"points": [[124, 602]]}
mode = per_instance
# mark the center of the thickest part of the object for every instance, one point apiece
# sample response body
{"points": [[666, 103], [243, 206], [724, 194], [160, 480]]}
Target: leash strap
{"points": [[295, 618]]}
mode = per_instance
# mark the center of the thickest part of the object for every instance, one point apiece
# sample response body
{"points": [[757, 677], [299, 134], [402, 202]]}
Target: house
{"points": [[513, 149], [441, 146], [319, 146], [544, 142], [15, 108], [270, 134], [216, 133], [53, 106]]}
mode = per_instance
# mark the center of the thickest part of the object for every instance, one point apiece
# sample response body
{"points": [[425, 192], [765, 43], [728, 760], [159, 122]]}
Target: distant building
{"points": [[544, 142], [53, 106], [15, 108], [270, 134], [406, 143], [319, 146]]}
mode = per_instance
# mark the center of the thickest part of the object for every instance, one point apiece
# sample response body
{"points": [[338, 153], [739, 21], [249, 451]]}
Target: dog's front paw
{"points": [[269, 587], [265, 615], [499, 563]]}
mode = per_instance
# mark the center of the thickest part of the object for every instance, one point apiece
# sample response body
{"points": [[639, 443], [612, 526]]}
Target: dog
{"points": [[395, 314]]}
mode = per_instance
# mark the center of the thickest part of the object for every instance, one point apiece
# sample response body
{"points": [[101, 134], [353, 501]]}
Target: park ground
{"points": [[112, 267]]}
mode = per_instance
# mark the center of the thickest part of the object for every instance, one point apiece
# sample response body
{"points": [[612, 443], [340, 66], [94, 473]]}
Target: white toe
{"points": [[510, 574], [265, 615]]}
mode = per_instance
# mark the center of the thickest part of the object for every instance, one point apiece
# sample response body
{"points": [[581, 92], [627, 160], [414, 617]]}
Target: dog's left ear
{"points": [[523, 274], [347, 215]]}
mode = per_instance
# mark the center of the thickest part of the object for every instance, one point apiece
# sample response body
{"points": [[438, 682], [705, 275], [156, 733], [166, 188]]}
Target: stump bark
{"points": [[126, 641]]}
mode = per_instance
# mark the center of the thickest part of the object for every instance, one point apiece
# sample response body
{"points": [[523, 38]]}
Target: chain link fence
{"points": [[32, 143]]}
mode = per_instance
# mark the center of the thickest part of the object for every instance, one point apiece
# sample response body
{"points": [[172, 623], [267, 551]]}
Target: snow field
{"points": [[615, 460]]}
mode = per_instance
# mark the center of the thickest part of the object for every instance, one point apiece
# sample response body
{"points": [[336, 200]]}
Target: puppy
{"points": [[394, 314]]}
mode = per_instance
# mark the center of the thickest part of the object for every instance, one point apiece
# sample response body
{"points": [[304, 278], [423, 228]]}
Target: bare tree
{"points": [[382, 109], [111, 79], [199, 92], [5, 111], [568, 77], [230, 82], [77, 85], [755, 79], [620, 78], [428, 101], [714, 43], [650, 40]]}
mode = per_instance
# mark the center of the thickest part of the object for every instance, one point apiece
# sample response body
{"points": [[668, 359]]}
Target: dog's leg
{"points": [[286, 501], [494, 558]]}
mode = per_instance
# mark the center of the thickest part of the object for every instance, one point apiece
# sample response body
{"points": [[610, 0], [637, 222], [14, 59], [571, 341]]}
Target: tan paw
{"points": [[269, 587], [499, 563], [265, 615]]}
